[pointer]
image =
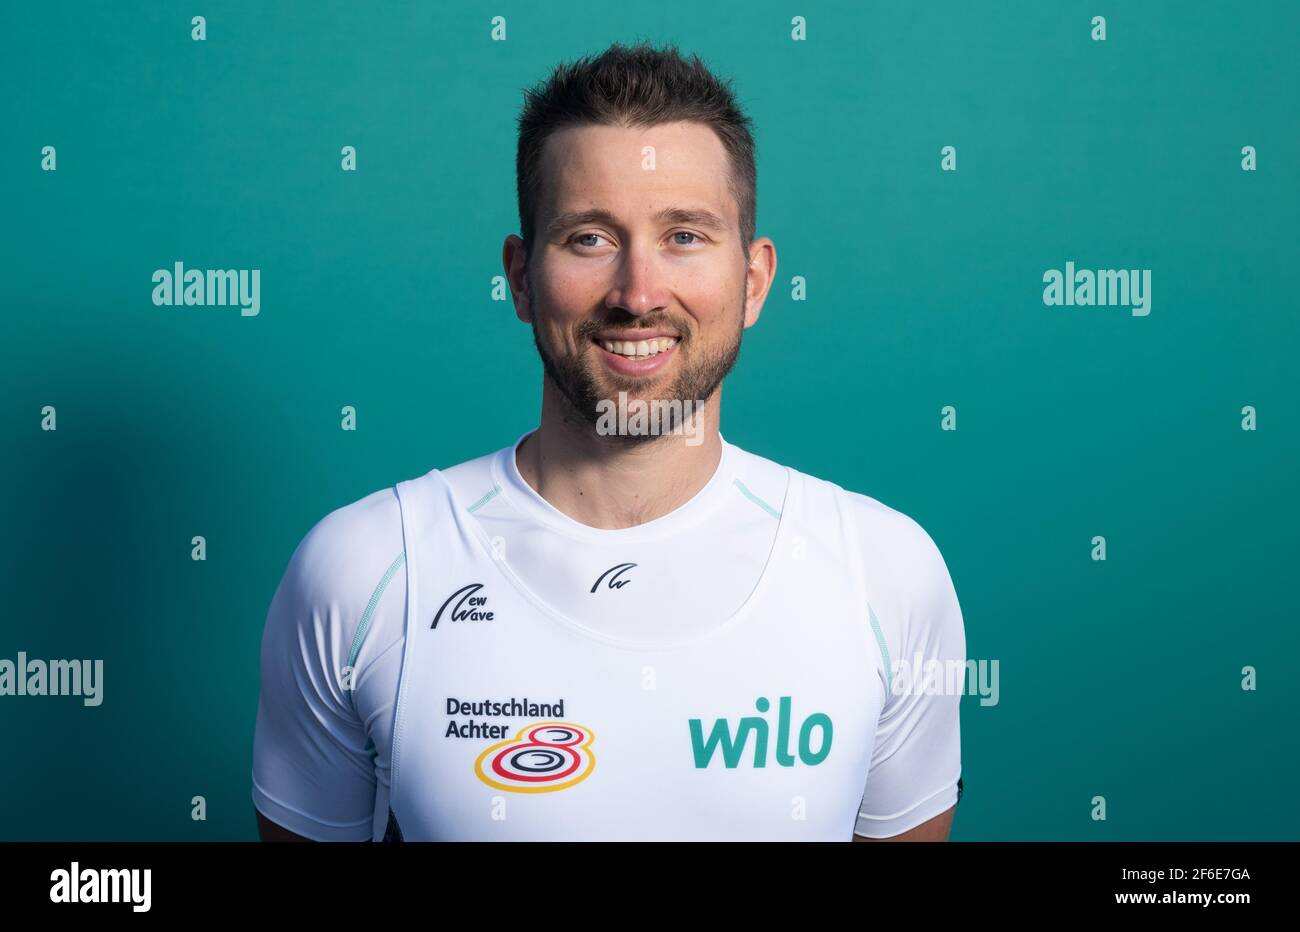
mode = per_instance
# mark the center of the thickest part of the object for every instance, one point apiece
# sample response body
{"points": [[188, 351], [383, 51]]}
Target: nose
{"points": [[640, 284]]}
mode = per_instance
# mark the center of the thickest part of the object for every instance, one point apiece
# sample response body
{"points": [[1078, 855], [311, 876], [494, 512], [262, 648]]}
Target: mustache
{"points": [[588, 329]]}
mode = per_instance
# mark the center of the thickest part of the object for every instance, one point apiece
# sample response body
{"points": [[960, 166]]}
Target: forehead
{"points": [[605, 166]]}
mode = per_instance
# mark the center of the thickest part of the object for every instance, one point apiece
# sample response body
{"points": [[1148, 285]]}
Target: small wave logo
{"points": [[614, 581], [541, 758]]}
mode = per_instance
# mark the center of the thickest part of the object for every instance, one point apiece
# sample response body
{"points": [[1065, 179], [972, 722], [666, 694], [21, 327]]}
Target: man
{"points": [[621, 626]]}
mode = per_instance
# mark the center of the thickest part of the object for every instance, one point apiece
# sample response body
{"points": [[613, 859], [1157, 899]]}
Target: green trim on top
{"points": [[756, 500], [496, 490], [370, 610], [884, 650]]}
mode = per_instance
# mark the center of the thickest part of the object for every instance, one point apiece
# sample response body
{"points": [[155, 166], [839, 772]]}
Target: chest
{"points": [[515, 724]]}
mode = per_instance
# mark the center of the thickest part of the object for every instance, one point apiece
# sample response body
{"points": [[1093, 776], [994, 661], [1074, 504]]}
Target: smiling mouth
{"points": [[637, 349]]}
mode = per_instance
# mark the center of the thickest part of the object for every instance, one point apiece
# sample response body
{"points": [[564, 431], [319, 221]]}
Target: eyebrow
{"points": [[694, 216]]}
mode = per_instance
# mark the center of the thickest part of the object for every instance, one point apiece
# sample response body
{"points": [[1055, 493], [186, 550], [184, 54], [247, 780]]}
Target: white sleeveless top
{"points": [[489, 713]]}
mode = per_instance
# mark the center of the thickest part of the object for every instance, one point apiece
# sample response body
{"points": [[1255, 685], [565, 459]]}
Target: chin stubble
{"points": [[694, 383]]}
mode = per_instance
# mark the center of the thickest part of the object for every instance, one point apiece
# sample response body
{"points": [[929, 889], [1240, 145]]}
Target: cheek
{"points": [[562, 306], [713, 297], [573, 288], [558, 321]]}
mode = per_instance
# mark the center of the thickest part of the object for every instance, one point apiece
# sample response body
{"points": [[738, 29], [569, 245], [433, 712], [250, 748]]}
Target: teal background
{"points": [[1118, 678]]}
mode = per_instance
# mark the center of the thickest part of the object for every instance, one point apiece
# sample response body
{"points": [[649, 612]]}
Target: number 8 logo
{"points": [[541, 758]]}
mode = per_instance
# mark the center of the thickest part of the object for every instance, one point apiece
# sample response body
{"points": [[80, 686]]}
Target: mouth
{"points": [[642, 356]]}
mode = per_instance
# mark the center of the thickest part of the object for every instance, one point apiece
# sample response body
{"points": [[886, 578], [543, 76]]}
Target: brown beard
{"points": [[696, 380]]}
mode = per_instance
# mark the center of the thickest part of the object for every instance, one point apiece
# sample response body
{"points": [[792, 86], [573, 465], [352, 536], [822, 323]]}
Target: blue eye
{"points": [[579, 238]]}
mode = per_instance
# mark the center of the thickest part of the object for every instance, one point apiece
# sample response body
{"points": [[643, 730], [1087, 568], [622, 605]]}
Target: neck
{"points": [[607, 482]]}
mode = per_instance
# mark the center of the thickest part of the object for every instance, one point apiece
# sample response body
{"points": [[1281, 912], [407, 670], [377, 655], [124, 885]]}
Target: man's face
{"points": [[637, 277]]}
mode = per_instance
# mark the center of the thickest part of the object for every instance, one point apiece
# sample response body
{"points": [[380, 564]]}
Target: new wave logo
{"points": [[541, 758], [465, 605], [732, 744]]}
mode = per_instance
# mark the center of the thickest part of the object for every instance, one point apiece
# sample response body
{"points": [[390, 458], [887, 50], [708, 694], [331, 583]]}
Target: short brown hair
{"points": [[635, 85]]}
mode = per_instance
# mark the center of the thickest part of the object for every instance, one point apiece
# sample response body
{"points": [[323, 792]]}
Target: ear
{"points": [[758, 277], [515, 260]]}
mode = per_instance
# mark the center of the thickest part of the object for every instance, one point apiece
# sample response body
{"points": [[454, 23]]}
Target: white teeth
{"points": [[635, 349]]}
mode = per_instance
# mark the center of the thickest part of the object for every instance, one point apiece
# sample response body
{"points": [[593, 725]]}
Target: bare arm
{"points": [[936, 829], [270, 831]]}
